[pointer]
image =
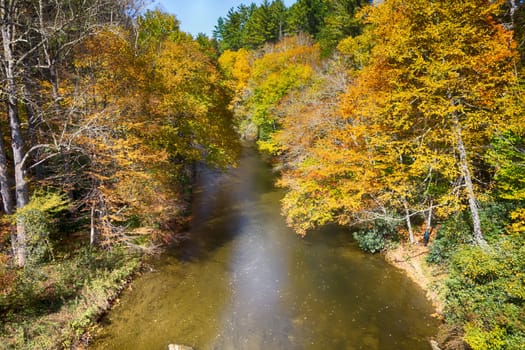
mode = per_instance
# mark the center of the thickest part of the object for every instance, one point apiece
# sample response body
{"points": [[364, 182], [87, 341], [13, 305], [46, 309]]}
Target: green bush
{"points": [[39, 218], [370, 240], [78, 286], [494, 218], [480, 339], [374, 238], [455, 231], [486, 294]]}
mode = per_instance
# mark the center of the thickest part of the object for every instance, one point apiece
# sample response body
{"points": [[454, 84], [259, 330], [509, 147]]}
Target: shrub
{"points": [[494, 218], [38, 218], [373, 238], [370, 240], [456, 230], [486, 292]]}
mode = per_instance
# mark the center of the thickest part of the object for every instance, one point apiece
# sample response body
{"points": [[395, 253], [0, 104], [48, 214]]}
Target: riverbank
{"points": [[410, 258], [52, 307]]}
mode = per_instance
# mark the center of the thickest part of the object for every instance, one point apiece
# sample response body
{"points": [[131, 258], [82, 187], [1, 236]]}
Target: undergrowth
{"points": [[51, 306]]}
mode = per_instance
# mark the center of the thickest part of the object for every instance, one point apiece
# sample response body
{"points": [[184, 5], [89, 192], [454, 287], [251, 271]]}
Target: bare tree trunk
{"points": [[429, 217], [513, 8], [21, 189], [93, 232], [7, 27], [6, 192], [467, 177], [409, 223]]}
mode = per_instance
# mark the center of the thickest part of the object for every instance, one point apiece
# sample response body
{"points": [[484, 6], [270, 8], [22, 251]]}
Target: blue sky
{"points": [[200, 16]]}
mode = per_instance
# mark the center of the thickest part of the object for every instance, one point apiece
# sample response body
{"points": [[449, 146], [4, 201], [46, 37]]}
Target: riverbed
{"points": [[243, 280]]}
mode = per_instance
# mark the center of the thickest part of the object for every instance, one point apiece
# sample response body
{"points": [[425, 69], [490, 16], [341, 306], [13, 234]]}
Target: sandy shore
{"points": [[411, 259]]}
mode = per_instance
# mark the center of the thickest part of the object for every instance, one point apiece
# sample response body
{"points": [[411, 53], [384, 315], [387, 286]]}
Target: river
{"points": [[246, 281]]}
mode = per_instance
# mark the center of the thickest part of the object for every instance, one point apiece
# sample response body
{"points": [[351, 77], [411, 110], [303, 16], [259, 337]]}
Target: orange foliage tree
{"points": [[148, 113], [415, 121]]}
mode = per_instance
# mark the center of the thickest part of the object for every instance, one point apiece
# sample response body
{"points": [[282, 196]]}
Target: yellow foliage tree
{"points": [[416, 119], [147, 117]]}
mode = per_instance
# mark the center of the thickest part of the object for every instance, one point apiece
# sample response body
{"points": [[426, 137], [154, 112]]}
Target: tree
{"points": [[35, 37], [150, 113], [229, 31], [265, 24], [507, 154], [307, 16], [251, 26], [413, 122], [285, 67], [237, 67], [451, 68], [339, 23]]}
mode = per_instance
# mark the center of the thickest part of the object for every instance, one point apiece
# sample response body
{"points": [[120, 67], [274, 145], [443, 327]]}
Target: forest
{"points": [[392, 118]]}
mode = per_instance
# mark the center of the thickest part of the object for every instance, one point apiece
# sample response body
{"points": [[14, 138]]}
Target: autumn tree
{"points": [[283, 68], [451, 66], [152, 109], [237, 68], [416, 118], [36, 37]]}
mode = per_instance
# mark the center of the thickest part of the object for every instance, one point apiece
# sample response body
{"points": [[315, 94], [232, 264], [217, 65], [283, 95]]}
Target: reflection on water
{"points": [[245, 281]]}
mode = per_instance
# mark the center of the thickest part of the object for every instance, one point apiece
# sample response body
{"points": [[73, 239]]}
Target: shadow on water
{"points": [[245, 281], [220, 201]]}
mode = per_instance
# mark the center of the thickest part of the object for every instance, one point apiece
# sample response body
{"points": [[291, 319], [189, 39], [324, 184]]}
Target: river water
{"points": [[245, 281]]}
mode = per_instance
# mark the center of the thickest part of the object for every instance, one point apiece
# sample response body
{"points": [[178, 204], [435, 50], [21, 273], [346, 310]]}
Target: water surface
{"points": [[245, 281]]}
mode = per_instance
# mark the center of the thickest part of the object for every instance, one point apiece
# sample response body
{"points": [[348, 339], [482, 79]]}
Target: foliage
{"points": [[251, 27], [283, 69], [340, 22], [307, 16], [157, 27], [51, 307], [455, 231], [373, 238], [237, 67], [451, 234], [508, 157], [39, 217], [486, 292], [159, 108], [413, 121]]}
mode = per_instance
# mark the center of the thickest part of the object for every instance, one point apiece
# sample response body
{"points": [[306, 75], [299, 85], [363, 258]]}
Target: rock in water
{"points": [[179, 347]]}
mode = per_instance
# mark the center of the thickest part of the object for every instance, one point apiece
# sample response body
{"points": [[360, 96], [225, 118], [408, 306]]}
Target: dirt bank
{"points": [[411, 259]]}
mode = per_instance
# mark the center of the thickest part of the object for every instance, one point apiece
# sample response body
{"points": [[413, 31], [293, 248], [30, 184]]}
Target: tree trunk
{"points": [[21, 189], [429, 217], [7, 29], [409, 223], [5, 181], [467, 177], [93, 232], [513, 8], [6, 192]]}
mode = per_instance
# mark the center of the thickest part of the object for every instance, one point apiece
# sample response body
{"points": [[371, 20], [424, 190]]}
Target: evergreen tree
{"points": [[307, 16], [264, 25], [229, 30], [339, 23]]}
